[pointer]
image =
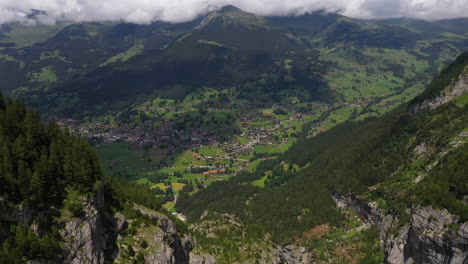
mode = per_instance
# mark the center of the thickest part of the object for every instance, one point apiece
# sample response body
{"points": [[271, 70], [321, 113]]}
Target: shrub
{"points": [[74, 204]]}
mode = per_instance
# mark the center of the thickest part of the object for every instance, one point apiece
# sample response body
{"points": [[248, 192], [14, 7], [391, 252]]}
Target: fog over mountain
{"points": [[146, 11]]}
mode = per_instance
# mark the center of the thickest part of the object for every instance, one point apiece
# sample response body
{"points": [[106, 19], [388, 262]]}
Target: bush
{"points": [[144, 244], [280, 111], [74, 204]]}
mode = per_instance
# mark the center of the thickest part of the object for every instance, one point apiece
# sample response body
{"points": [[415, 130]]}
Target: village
{"points": [[185, 147], [179, 144], [259, 134]]}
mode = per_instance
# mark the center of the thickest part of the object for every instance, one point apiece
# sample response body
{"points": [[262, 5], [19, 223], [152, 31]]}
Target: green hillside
{"points": [[39, 162], [399, 160], [17, 35], [75, 50], [52, 184], [313, 138], [226, 50], [329, 57]]}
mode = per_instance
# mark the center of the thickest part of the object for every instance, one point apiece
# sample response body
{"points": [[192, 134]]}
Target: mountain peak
{"points": [[34, 13], [229, 15], [229, 8]]}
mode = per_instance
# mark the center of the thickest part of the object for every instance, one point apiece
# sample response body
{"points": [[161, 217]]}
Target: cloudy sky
{"points": [[145, 11]]}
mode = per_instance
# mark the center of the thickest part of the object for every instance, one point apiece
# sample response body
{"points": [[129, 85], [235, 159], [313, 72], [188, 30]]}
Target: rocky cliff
{"points": [[431, 236], [85, 238], [97, 236], [100, 236], [287, 254], [457, 88], [167, 245]]}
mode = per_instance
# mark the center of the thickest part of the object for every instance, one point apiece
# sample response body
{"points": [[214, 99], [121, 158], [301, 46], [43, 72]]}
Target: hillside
{"points": [[227, 49], [57, 207], [399, 172], [328, 57], [74, 50], [235, 138]]}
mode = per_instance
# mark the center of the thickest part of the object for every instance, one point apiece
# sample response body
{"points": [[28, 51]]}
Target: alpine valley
{"points": [[234, 138]]}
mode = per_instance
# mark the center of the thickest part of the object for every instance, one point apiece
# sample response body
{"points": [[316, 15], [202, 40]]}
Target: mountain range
{"points": [[235, 138], [85, 62]]}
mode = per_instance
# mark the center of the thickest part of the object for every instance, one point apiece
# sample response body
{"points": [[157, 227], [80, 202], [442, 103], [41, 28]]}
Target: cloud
{"points": [[146, 11]]}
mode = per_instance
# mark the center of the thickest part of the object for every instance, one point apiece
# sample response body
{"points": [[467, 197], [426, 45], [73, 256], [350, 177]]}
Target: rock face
{"points": [[459, 87], [88, 238], [173, 248], [430, 241], [85, 238], [432, 236], [196, 258], [287, 255]]}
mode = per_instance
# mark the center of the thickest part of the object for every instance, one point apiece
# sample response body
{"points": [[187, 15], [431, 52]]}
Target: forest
{"points": [[348, 159], [46, 174], [39, 164], [236, 133]]}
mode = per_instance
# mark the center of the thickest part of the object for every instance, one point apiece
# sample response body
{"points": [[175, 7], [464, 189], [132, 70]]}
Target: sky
{"points": [[147, 11]]}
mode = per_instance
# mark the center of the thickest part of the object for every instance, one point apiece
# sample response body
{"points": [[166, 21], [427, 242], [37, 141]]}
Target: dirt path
{"points": [[173, 203]]}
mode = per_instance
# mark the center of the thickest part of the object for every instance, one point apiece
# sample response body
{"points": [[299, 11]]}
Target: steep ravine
{"points": [[429, 237]]}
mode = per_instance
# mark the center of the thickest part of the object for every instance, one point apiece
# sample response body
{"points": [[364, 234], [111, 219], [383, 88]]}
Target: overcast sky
{"points": [[146, 11]]}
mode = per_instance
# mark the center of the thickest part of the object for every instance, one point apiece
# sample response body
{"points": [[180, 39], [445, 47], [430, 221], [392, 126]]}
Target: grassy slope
{"points": [[23, 35]]}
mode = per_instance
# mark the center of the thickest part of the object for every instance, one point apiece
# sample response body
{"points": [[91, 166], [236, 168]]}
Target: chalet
{"points": [[214, 172]]}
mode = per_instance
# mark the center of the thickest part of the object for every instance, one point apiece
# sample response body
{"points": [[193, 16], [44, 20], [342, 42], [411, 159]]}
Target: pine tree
{"points": [[2, 101], [24, 177], [37, 163]]}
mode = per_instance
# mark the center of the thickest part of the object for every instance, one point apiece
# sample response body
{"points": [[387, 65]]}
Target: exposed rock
{"points": [[430, 241], [199, 258], [85, 238], [172, 248], [421, 149], [459, 87], [287, 255], [89, 238], [426, 239], [118, 220]]}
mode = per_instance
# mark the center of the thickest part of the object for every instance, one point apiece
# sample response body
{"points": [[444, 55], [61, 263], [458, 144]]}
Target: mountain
{"points": [[75, 50], [328, 28], [90, 66], [236, 138], [404, 172], [57, 207], [228, 48], [17, 35]]}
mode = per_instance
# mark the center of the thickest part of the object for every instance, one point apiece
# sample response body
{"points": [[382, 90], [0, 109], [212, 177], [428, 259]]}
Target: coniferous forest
{"points": [[349, 159], [39, 165]]}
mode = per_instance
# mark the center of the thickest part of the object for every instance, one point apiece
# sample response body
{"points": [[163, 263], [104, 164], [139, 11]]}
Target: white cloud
{"points": [[146, 11]]}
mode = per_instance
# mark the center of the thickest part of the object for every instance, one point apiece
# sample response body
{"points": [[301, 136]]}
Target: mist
{"points": [[175, 11]]}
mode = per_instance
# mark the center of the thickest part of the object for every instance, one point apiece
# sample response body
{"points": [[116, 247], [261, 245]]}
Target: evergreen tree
{"points": [[37, 163]]}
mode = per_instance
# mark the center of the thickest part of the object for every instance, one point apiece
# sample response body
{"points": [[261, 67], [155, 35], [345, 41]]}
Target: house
{"points": [[197, 156], [214, 171]]}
